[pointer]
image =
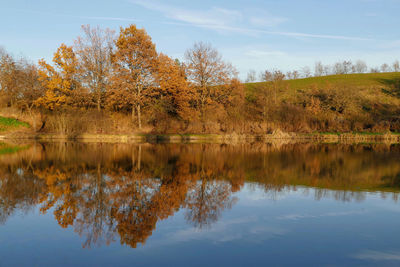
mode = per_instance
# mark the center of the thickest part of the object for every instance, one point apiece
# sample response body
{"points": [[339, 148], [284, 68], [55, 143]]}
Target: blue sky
{"points": [[252, 34]]}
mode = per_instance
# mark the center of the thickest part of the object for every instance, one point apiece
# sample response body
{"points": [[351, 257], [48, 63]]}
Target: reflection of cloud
{"points": [[378, 255], [249, 229], [329, 214]]}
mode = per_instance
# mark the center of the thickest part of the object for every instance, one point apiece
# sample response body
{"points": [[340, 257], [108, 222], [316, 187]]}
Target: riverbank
{"points": [[277, 136]]}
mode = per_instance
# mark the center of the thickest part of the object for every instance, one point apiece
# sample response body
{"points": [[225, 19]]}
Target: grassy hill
{"points": [[369, 83], [9, 124], [358, 101]]}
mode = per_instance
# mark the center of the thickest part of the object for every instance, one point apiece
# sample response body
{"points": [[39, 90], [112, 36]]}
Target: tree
{"points": [[306, 72], [134, 63], [207, 71], [360, 67], [61, 81], [318, 69], [94, 53], [8, 78], [396, 66], [251, 76], [385, 67], [172, 88]]}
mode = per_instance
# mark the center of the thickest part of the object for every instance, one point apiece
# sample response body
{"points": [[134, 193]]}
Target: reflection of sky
{"points": [[291, 229]]}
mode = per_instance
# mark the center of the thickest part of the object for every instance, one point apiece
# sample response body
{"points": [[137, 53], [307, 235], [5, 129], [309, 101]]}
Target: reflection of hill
{"points": [[108, 191]]}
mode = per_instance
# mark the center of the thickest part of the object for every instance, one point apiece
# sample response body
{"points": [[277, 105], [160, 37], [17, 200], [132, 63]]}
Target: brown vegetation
{"points": [[108, 84]]}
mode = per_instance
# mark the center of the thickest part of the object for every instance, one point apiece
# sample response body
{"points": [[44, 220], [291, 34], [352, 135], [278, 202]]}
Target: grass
{"points": [[6, 149], [384, 87], [9, 124], [351, 80]]}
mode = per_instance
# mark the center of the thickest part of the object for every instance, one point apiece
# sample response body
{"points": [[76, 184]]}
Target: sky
{"points": [[251, 34]]}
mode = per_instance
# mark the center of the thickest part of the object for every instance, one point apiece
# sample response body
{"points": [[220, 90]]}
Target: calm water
{"points": [[199, 205]]}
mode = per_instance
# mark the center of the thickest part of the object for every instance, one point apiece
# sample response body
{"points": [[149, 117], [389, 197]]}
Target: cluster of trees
{"points": [[341, 67], [107, 196], [118, 83], [123, 73]]}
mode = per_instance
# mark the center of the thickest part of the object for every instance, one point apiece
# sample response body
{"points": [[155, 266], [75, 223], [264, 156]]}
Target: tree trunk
{"points": [[133, 114], [139, 117], [99, 102]]}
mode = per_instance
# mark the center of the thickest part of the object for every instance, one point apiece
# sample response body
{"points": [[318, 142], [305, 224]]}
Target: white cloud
{"points": [[263, 53], [267, 21], [378, 255], [225, 20]]}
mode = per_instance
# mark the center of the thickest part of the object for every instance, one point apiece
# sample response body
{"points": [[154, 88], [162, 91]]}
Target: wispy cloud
{"points": [[111, 18], [226, 20], [263, 53], [378, 255]]}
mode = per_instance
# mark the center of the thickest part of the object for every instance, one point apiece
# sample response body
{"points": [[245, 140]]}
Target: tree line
{"points": [[108, 82], [123, 73], [338, 68]]}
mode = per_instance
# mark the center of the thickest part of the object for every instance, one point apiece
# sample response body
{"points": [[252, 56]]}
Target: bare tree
{"points": [[205, 70], [94, 50], [306, 71], [266, 76], [338, 68], [360, 67], [374, 70], [251, 76], [385, 67], [347, 66], [318, 69], [396, 66]]}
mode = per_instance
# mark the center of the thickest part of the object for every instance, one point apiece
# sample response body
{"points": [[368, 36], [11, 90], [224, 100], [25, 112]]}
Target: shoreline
{"points": [[276, 137]]}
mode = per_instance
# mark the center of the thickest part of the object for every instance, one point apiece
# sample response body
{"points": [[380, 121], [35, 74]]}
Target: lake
{"points": [[76, 204]]}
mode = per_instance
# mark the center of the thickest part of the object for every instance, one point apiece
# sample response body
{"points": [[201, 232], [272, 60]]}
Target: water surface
{"points": [[73, 204]]}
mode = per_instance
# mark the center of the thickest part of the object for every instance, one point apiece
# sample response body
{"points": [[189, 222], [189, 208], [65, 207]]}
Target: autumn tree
{"points": [[134, 62], [94, 50], [206, 70], [172, 91], [61, 80]]}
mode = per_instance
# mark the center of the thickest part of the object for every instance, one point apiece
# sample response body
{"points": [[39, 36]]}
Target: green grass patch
{"points": [[7, 124], [6, 149]]}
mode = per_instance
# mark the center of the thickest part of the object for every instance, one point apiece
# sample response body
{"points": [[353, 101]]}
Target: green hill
{"points": [[358, 101]]}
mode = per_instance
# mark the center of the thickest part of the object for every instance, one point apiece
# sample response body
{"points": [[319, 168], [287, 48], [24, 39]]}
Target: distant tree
{"points": [[292, 75], [94, 51], [347, 66], [396, 66], [385, 68], [318, 69], [338, 68], [134, 64], [306, 72], [327, 70], [267, 76], [360, 67], [374, 70], [251, 76]]}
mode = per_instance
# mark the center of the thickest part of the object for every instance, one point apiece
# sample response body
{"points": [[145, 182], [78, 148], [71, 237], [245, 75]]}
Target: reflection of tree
{"points": [[206, 201], [108, 192]]}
